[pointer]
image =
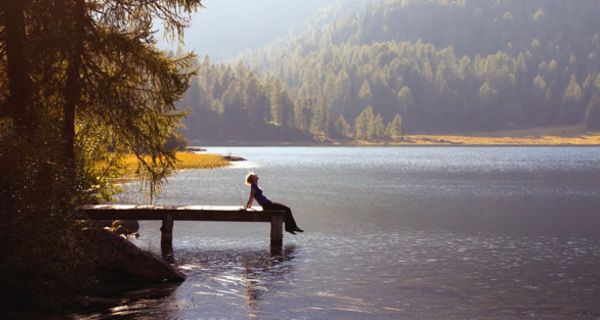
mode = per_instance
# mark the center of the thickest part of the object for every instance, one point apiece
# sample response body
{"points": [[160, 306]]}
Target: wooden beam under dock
{"points": [[168, 214]]}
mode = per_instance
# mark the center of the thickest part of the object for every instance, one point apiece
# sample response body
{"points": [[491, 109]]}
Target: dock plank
{"points": [[168, 214], [183, 213]]}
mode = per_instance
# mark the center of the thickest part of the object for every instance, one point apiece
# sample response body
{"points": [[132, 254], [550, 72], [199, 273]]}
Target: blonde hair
{"points": [[249, 178]]}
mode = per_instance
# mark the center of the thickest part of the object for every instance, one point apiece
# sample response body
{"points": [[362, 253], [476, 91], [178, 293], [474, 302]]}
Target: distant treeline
{"points": [[414, 66]]}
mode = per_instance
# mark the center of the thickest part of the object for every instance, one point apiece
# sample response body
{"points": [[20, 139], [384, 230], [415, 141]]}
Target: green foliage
{"points": [[342, 127], [395, 129], [228, 103], [365, 93], [487, 94], [369, 126], [361, 123], [573, 93], [91, 90], [37, 231], [440, 65], [176, 142], [378, 127]]}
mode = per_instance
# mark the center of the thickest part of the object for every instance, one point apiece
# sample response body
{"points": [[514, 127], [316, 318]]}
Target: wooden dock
{"points": [[168, 214]]}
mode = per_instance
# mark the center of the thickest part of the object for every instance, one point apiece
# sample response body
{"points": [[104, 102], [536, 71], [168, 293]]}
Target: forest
{"points": [[408, 66]]}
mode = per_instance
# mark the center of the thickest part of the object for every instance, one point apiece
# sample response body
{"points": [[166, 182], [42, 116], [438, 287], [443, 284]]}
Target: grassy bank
{"points": [[185, 160], [189, 160], [559, 136]]}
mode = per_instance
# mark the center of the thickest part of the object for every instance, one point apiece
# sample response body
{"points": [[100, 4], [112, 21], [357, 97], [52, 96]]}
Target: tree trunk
{"points": [[73, 87], [18, 106]]}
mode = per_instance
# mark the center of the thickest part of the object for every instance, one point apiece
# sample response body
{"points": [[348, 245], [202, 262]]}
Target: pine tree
{"points": [[366, 124], [360, 126], [342, 127], [573, 93], [378, 127], [572, 109], [365, 93], [394, 129]]}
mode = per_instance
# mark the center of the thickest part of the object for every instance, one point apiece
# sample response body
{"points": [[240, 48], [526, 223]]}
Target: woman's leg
{"points": [[290, 222]]}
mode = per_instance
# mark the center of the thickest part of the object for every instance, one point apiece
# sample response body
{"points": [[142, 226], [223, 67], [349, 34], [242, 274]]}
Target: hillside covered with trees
{"points": [[407, 66]]}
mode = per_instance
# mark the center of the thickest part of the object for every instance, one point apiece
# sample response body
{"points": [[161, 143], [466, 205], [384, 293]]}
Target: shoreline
{"points": [[398, 145], [571, 136]]}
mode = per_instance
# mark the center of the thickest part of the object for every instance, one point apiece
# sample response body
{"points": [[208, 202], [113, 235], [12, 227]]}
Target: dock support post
{"points": [[276, 230], [166, 238]]}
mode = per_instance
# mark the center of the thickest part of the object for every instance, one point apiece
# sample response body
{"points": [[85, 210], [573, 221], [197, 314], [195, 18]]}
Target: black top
{"points": [[258, 195]]}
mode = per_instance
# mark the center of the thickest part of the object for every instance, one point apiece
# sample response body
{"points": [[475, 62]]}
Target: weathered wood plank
{"points": [[168, 214], [276, 230], [166, 238], [185, 213], [163, 207]]}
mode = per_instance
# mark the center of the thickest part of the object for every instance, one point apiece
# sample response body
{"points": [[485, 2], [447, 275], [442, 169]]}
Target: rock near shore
{"points": [[114, 253]]}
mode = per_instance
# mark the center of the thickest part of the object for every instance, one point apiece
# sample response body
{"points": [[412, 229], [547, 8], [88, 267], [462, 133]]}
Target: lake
{"points": [[391, 233]]}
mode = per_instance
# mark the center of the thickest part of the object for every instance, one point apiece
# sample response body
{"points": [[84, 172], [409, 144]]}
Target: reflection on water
{"points": [[391, 233], [223, 280], [126, 303], [227, 279], [382, 275]]}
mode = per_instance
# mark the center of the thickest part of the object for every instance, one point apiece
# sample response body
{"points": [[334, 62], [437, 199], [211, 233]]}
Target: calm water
{"points": [[391, 233]]}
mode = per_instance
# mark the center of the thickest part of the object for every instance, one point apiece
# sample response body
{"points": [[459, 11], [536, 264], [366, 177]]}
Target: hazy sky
{"points": [[227, 27]]}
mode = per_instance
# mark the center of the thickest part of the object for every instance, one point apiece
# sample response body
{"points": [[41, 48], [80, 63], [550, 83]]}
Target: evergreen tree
{"points": [[365, 93], [572, 100], [342, 127], [378, 127], [365, 125], [394, 129]]}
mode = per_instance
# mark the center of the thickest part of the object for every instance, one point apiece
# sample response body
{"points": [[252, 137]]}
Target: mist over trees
{"points": [[234, 103], [224, 28], [414, 66]]}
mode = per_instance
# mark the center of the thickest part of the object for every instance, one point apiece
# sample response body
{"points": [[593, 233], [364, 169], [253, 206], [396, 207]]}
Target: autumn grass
{"points": [[555, 136], [128, 164], [189, 160]]}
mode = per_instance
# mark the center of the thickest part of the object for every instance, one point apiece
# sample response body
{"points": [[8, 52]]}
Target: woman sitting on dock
{"points": [[256, 193]]}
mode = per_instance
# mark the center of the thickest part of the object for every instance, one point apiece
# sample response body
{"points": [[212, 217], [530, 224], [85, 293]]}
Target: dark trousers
{"points": [[290, 223]]}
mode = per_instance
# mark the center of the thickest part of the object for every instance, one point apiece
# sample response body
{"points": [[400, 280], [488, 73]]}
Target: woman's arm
{"points": [[250, 199]]}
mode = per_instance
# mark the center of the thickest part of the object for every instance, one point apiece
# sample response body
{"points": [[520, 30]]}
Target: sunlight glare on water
{"points": [[391, 233]]}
